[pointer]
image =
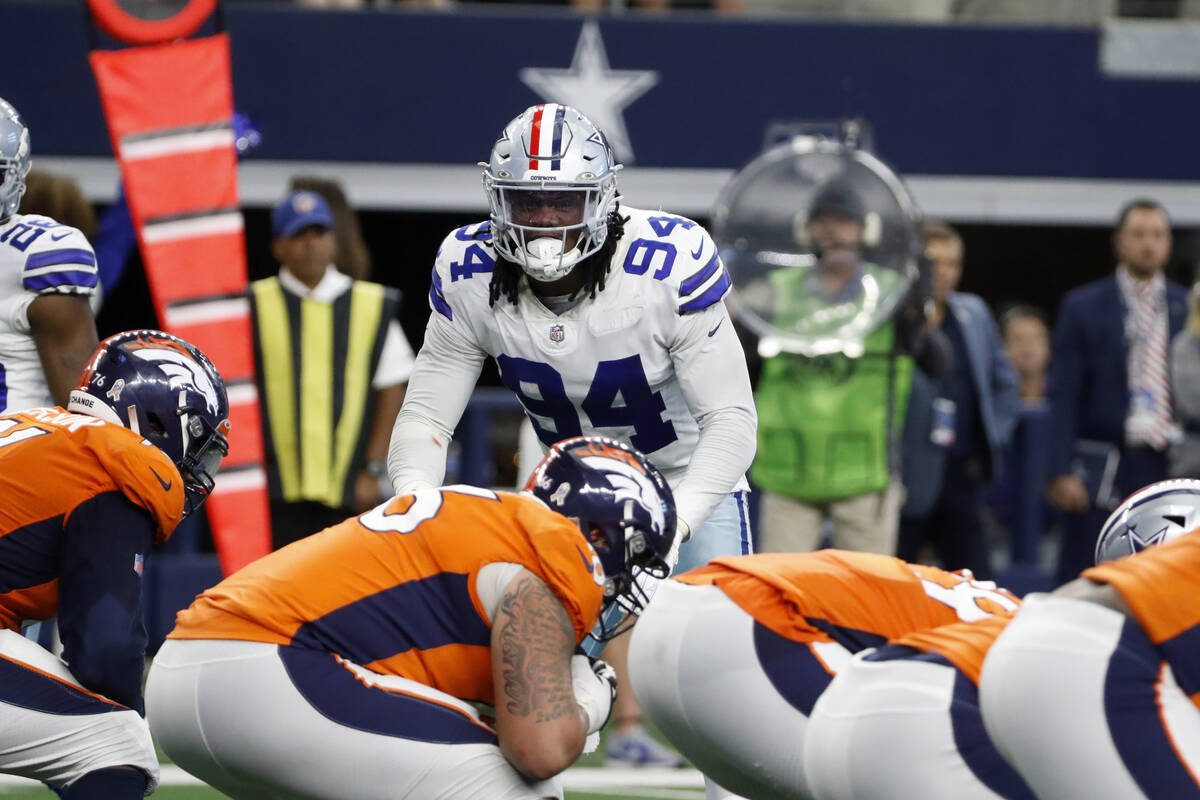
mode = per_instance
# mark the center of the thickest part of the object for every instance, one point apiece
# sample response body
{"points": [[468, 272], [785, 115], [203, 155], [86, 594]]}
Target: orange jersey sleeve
{"points": [[857, 599], [1158, 585], [394, 589], [51, 462], [963, 644]]}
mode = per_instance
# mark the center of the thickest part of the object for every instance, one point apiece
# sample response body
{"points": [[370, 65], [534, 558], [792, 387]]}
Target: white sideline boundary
{"points": [[613, 780]]}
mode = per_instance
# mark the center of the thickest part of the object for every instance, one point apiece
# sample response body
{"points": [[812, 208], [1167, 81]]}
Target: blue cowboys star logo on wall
{"points": [[557, 334], [592, 87]]}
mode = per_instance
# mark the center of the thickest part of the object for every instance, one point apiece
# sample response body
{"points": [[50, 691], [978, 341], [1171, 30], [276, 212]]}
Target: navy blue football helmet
{"points": [[1152, 515], [623, 505], [164, 389]]}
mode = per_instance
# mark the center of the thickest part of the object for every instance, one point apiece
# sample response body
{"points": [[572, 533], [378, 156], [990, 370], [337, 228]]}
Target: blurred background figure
{"points": [[1027, 339], [957, 428], [1017, 497], [1110, 402], [822, 242], [60, 198], [1183, 459], [333, 365]]}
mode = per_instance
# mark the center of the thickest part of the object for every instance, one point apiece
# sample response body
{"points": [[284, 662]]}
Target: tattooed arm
{"points": [[540, 725]]}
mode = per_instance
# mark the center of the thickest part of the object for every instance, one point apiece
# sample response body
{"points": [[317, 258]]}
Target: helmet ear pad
{"points": [[167, 391]]}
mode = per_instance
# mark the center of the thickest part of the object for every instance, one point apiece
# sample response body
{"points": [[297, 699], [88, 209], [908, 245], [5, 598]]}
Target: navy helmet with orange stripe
{"points": [[165, 389], [623, 505], [551, 183]]}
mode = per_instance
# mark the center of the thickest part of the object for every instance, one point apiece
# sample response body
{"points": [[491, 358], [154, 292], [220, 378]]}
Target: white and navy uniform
{"points": [[652, 360], [37, 256]]}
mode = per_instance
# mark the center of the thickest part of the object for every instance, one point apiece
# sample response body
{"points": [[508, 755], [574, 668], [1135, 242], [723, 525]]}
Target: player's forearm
{"points": [[417, 452], [718, 464]]}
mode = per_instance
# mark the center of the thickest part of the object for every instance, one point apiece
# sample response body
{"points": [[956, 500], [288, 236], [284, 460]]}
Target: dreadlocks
{"points": [[506, 276]]}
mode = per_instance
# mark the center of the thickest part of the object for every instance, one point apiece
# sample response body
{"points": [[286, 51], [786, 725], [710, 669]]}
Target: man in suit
{"points": [[956, 428], [1108, 387]]}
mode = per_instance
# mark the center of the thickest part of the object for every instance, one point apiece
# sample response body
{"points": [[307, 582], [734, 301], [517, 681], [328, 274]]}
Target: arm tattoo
{"points": [[536, 641]]}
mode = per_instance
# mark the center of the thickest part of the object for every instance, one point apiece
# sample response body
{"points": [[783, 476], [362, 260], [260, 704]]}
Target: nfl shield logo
{"points": [[138, 563], [556, 333]]}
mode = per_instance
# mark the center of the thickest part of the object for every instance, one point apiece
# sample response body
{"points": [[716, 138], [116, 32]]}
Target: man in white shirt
{"points": [[332, 367]]}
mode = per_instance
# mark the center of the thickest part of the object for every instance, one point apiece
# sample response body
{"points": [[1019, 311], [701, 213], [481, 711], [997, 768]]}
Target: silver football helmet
{"points": [[551, 183], [14, 159], [1154, 515]]}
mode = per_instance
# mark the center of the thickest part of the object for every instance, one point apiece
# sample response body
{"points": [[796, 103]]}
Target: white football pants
{"points": [[1079, 701], [54, 730], [886, 730], [695, 669], [238, 716]]}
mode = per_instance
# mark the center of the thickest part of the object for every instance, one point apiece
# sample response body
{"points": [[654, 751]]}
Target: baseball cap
{"points": [[837, 199], [300, 210]]}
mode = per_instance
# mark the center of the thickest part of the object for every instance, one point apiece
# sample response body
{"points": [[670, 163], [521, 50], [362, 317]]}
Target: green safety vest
{"points": [[828, 426], [315, 365]]}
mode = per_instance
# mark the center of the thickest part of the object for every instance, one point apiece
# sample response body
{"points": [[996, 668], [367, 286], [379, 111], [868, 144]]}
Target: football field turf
{"points": [[582, 783]]}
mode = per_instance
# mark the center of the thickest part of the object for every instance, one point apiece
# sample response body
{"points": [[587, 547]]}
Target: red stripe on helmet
{"points": [[535, 137]]}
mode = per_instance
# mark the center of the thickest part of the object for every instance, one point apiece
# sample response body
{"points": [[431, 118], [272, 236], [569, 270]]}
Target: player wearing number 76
{"points": [[602, 320]]}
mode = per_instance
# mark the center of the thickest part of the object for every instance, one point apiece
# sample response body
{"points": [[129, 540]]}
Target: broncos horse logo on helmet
{"points": [[1152, 515], [164, 389], [622, 503]]}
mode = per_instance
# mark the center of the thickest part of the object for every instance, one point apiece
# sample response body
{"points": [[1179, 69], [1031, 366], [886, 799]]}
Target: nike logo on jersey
{"points": [[62, 235], [714, 330], [165, 484], [587, 562], [699, 250]]}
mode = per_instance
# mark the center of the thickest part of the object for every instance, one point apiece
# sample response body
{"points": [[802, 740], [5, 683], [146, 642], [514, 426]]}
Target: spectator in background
{"points": [[352, 256], [61, 199], [829, 427], [1183, 459], [956, 428], [1027, 339], [332, 369], [47, 330], [1108, 389], [1018, 498]]}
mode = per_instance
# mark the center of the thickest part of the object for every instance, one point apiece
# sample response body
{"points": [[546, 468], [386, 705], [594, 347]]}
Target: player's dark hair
{"points": [[506, 276]]}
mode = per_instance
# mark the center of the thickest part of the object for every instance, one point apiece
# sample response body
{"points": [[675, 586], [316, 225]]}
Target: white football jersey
{"points": [[641, 362], [37, 256]]}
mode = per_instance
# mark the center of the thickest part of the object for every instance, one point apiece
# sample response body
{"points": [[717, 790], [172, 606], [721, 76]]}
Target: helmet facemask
{"points": [[204, 447], [549, 253]]}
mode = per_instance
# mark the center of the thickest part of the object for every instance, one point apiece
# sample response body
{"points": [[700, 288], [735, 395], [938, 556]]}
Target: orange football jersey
{"points": [[52, 461], [856, 599], [963, 644], [394, 589], [1160, 587]]}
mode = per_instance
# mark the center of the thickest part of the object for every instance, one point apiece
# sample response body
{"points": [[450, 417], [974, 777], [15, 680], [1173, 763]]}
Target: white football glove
{"points": [[595, 684]]}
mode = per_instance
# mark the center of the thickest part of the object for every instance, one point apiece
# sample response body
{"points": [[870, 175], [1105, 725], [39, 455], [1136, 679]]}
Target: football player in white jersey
{"points": [[47, 275], [602, 320]]}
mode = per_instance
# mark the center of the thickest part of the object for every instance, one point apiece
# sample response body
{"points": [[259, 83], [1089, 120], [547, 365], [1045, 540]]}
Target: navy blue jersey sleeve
{"points": [[100, 596]]}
